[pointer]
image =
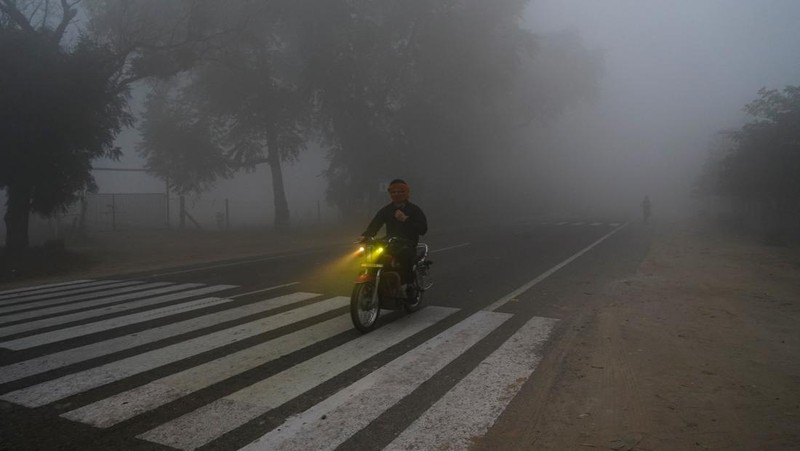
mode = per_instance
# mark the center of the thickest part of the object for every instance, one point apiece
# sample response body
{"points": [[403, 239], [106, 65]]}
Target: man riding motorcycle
{"points": [[404, 220]]}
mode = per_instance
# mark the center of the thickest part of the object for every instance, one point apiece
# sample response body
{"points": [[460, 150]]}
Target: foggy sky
{"points": [[675, 72]]}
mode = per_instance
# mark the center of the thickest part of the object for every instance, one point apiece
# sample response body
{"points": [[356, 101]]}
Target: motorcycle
{"points": [[378, 283]]}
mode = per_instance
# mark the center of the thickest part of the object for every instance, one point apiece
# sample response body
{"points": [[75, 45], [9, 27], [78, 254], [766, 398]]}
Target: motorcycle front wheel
{"points": [[364, 311]]}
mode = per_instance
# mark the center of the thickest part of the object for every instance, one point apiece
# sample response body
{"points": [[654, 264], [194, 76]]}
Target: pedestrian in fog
{"points": [[646, 209]]}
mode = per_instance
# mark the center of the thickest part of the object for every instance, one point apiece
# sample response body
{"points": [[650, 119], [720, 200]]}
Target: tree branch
{"points": [[9, 8], [69, 14]]}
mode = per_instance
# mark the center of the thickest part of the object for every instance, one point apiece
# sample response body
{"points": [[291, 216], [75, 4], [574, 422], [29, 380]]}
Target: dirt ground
{"points": [[700, 349], [115, 253]]}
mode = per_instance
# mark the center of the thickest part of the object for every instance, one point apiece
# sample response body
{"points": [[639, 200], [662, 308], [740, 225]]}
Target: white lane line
{"points": [[265, 290], [50, 391], [329, 423], [107, 290], [68, 357], [116, 308], [5, 295], [470, 408], [126, 405], [113, 323], [449, 248], [226, 414], [500, 302]]}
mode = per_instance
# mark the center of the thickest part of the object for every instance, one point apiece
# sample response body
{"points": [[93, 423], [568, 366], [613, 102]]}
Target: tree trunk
{"points": [[18, 210], [278, 190]]}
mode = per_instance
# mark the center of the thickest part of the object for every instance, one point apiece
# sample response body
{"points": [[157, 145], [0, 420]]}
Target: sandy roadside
{"points": [[123, 252], [700, 349]]}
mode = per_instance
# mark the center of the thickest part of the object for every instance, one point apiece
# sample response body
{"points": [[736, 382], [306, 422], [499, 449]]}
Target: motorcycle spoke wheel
{"points": [[423, 279], [363, 311]]}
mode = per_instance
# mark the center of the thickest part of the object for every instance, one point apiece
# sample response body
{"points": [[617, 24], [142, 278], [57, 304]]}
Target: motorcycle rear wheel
{"points": [[363, 311]]}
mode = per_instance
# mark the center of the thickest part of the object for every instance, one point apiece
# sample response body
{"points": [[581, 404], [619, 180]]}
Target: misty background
{"points": [[673, 74], [676, 73]]}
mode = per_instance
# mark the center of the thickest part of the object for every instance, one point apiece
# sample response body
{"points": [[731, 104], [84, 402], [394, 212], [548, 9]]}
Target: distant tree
{"points": [[761, 163], [354, 61], [240, 107], [64, 89], [179, 146], [429, 89], [57, 115], [721, 146], [765, 163]]}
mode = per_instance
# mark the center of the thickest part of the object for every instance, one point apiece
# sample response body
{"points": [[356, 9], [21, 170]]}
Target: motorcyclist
{"points": [[404, 220]]}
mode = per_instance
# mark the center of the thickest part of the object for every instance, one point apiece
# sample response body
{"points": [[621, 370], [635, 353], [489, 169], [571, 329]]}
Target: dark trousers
{"points": [[405, 257]]}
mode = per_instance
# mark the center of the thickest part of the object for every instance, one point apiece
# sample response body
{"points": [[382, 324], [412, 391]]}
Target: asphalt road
{"points": [[259, 353]]}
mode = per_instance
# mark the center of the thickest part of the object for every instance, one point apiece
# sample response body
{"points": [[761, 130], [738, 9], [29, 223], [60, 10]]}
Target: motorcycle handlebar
{"points": [[385, 240]]}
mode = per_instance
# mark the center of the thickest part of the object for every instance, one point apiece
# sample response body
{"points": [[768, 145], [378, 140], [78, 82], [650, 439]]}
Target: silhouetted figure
{"points": [[403, 220], [646, 209]]}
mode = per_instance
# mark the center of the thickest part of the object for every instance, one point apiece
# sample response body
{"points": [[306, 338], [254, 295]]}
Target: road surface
{"points": [[259, 353]]}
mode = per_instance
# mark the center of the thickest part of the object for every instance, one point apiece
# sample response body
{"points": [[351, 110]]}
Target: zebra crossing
{"points": [[191, 351]]}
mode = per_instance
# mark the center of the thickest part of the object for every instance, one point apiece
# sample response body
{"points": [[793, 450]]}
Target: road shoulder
{"points": [[699, 349]]}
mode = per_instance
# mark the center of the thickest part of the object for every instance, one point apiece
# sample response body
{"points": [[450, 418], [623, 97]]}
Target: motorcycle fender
{"points": [[365, 278]]}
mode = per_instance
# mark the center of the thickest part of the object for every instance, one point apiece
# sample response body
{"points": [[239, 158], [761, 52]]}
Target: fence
{"points": [[108, 212], [120, 211]]}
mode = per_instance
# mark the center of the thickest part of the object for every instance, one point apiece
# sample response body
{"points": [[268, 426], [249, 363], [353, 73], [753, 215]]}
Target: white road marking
{"points": [[113, 323], [33, 325], [107, 290], [334, 420], [126, 405], [226, 414], [502, 301], [596, 224], [562, 223], [19, 292], [448, 248], [50, 391], [265, 290], [470, 408], [71, 356]]}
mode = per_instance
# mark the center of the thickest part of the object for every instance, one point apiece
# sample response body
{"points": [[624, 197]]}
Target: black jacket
{"points": [[411, 229]]}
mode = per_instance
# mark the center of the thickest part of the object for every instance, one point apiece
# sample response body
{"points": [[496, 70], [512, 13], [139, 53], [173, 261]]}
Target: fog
{"points": [[675, 73]]}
